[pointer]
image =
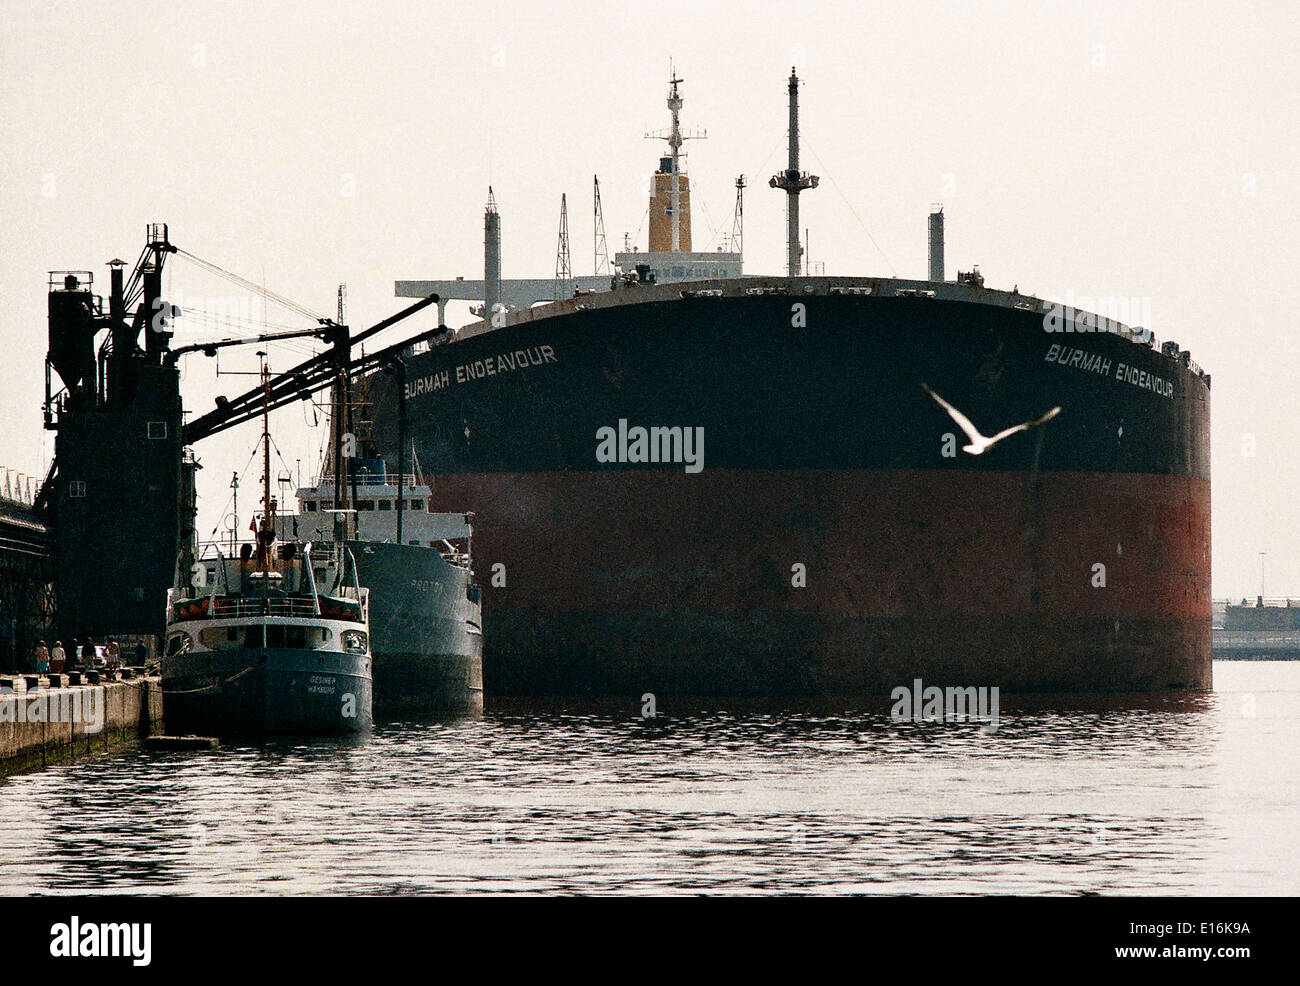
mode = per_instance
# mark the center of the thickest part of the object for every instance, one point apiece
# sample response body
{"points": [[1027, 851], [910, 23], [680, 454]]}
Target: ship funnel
{"points": [[491, 257], [936, 242]]}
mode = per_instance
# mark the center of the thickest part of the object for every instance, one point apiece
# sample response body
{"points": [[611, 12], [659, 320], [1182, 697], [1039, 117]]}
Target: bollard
{"points": [[33, 681], [74, 677], [56, 680], [92, 677]]}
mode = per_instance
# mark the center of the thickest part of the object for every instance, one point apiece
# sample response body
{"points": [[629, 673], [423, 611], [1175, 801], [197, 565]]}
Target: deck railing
{"points": [[232, 607], [371, 479], [256, 606]]}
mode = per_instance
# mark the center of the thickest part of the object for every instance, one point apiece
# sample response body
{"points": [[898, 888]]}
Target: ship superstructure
{"points": [[668, 259]]}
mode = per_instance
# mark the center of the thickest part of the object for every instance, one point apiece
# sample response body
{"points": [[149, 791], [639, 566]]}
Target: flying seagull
{"points": [[978, 443]]}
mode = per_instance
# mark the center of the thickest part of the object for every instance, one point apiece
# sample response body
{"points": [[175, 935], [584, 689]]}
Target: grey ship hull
{"points": [[425, 630]]}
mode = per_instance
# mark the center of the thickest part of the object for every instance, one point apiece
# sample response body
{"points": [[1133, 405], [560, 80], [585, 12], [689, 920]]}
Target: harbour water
{"points": [[1095, 795]]}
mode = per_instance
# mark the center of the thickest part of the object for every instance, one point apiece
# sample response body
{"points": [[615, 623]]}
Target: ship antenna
{"points": [[793, 181]]}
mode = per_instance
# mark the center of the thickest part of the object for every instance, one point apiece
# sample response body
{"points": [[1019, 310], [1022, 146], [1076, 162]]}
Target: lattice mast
{"points": [[738, 218], [600, 262], [563, 266]]}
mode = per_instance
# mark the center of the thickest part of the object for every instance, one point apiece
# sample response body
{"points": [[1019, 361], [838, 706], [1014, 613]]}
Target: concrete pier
{"points": [[40, 724]]}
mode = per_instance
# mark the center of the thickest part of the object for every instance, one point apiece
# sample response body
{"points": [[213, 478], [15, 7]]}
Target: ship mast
{"points": [[675, 136], [266, 532], [674, 144], [793, 181], [336, 458], [339, 407]]}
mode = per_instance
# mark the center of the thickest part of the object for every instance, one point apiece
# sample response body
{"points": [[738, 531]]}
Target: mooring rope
{"points": [[208, 688]]}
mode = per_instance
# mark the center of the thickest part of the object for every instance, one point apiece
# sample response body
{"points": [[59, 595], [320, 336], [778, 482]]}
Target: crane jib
{"points": [[308, 377]]}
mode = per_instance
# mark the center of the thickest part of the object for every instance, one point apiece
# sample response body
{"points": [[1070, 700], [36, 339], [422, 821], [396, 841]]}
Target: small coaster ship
{"points": [[426, 609], [254, 644], [425, 615]]}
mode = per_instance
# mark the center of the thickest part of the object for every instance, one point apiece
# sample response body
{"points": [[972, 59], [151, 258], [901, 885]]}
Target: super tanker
{"points": [[742, 485]]}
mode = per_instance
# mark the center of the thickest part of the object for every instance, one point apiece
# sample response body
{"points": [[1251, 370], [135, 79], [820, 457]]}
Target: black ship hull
{"points": [[835, 537]]}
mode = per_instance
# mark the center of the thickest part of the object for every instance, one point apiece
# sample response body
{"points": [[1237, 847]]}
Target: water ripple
{"points": [[1108, 795]]}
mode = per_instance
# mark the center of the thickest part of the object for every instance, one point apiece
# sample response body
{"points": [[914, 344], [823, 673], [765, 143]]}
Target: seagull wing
{"points": [[1009, 431], [963, 422], [1025, 426]]}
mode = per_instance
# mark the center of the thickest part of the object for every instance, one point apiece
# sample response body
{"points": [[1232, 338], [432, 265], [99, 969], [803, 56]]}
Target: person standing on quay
{"points": [[42, 658], [58, 657], [114, 654]]}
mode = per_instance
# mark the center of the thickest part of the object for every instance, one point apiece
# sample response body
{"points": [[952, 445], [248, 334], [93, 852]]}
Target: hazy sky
{"points": [[1134, 150]]}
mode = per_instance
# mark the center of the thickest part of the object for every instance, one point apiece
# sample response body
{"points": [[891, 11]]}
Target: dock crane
{"points": [[119, 494]]}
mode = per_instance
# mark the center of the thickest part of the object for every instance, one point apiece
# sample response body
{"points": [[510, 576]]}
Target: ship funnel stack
{"points": [[793, 181], [491, 257], [936, 242]]}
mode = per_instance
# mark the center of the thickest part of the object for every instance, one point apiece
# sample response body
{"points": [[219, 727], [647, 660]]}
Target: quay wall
{"points": [[50, 718]]}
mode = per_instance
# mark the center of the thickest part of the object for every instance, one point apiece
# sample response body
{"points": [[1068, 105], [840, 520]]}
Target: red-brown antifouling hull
{"points": [[653, 580]]}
